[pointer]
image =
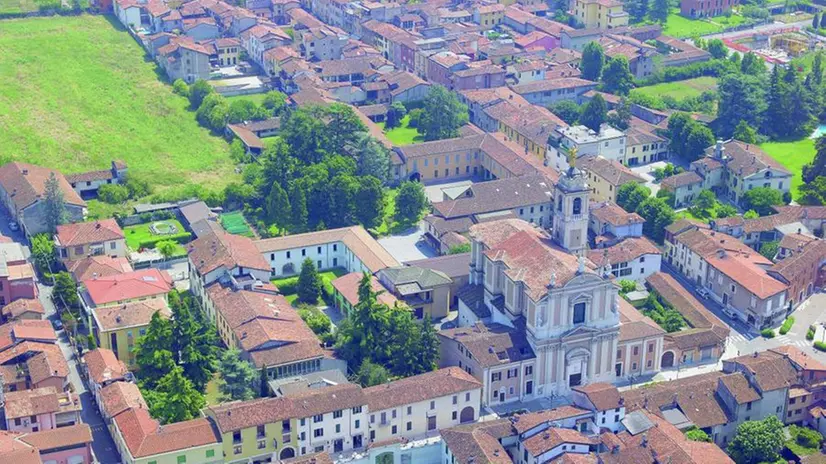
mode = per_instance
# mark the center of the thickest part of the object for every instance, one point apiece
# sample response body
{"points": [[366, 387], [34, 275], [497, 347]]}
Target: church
{"points": [[538, 318]]}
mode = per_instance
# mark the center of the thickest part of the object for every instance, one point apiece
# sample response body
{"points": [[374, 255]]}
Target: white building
{"points": [[331, 419], [632, 258], [608, 143]]}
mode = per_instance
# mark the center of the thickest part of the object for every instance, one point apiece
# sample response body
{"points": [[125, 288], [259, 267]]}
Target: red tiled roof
{"points": [[121, 287], [33, 330], [64, 437], [26, 184], [19, 307], [104, 366], [145, 437], [348, 286], [120, 396], [83, 233], [427, 386], [212, 251], [98, 266]]}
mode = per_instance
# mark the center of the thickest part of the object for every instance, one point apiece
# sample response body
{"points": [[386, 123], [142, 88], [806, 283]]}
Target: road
{"points": [[762, 28]]}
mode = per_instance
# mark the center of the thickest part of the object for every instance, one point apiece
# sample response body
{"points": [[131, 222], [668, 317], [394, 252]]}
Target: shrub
{"points": [[767, 333], [181, 237], [627, 286], [695, 434], [820, 346], [805, 437], [787, 325], [289, 286], [113, 193], [810, 334]]}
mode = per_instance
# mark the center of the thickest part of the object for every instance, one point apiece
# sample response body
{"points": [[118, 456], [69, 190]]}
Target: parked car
{"points": [[703, 292], [730, 313], [13, 226], [57, 324]]}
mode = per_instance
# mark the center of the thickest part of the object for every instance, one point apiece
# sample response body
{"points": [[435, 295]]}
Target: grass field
{"points": [[235, 223], [679, 90], [77, 92], [256, 98], [402, 135], [139, 232], [327, 277], [681, 27], [27, 6], [793, 155]]}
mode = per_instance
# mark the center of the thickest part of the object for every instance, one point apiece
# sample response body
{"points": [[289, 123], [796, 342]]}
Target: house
{"points": [[606, 176], [529, 127], [72, 443], [322, 43], [608, 143], [201, 29], [640, 344], [447, 397], [98, 266], [258, 428], [644, 142], [527, 71], [425, 291], [455, 266], [600, 14], [103, 368], [685, 186], [604, 400], [639, 54], [801, 269], [23, 194], [23, 309], [331, 419], [610, 224], [479, 100], [346, 292], [226, 51], [40, 409], [631, 258], [135, 286], [550, 91], [478, 76], [350, 248], [536, 40], [701, 9], [118, 397], [87, 183], [140, 439], [17, 277], [489, 16], [117, 327], [406, 87], [183, 58], [85, 239]]}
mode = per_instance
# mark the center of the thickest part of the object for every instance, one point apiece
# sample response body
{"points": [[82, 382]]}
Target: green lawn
{"points": [[402, 135], [235, 223], [389, 223], [213, 392], [27, 6], [679, 90], [77, 92], [793, 155], [256, 98], [679, 26], [135, 234], [288, 284]]}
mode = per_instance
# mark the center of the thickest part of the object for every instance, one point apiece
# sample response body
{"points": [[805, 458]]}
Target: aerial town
{"points": [[412, 231]]}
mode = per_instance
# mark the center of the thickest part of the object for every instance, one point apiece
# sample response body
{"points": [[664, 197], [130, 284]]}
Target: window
{"points": [[338, 428], [288, 255], [579, 313], [303, 252], [394, 430], [409, 410], [260, 432], [432, 405], [748, 406], [635, 351], [393, 413], [318, 418], [467, 396], [236, 436], [318, 433], [318, 249], [409, 425], [337, 414], [650, 347], [181, 459], [528, 370], [455, 399], [210, 453], [577, 206], [496, 376], [335, 247], [453, 416], [357, 410]]}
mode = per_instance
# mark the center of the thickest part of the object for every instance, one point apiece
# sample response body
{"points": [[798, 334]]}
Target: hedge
{"points": [[787, 325], [180, 237], [820, 346], [288, 287], [767, 333], [810, 334]]}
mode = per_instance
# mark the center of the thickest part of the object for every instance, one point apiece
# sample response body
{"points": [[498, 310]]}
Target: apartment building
{"points": [[600, 14], [118, 327], [550, 91], [40, 409], [608, 143], [706, 8], [606, 176], [610, 224], [103, 368], [632, 258], [640, 344], [17, 276], [84, 239], [183, 58], [256, 430], [425, 291]]}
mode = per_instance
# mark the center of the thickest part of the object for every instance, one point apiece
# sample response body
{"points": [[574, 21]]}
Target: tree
{"points": [[65, 290], [43, 252], [411, 201], [428, 351], [369, 202], [299, 215], [91, 343], [817, 69], [752, 65], [593, 59], [113, 193], [823, 21], [617, 77], [166, 248], [761, 200], [180, 88], [631, 194], [745, 133], [717, 48], [725, 210], [459, 249], [757, 441], [769, 249], [275, 102], [750, 214], [277, 206], [637, 9], [742, 97], [309, 283], [695, 434], [238, 377], [620, 118], [194, 342], [198, 92], [414, 116], [817, 167], [153, 353], [55, 203], [816, 21], [699, 138], [704, 202], [371, 374], [395, 114], [626, 286], [443, 114], [245, 110], [372, 158], [175, 399], [317, 321], [659, 11], [567, 110], [658, 215], [593, 115]]}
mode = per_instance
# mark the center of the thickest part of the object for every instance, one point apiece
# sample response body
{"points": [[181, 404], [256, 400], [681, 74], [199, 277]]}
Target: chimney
{"points": [[97, 225], [25, 172], [721, 253], [644, 441]]}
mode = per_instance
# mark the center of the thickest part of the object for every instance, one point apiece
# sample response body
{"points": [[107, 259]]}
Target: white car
{"points": [[703, 292], [730, 313]]}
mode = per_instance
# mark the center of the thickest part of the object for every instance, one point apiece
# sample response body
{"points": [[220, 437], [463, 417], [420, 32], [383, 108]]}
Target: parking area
{"points": [[644, 171], [408, 245]]}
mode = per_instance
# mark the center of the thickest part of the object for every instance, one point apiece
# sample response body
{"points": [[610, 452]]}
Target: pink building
{"points": [[703, 8], [16, 274], [41, 409], [68, 444]]}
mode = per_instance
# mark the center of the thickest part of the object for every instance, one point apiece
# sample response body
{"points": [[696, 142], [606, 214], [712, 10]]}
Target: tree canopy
{"points": [[443, 114], [757, 441], [594, 113], [593, 59], [617, 77]]}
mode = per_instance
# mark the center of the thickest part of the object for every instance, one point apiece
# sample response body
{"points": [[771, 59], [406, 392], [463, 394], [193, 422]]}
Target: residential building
{"points": [[331, 419], [455, 266], [631, 258], [639, 54], [551, 91], [227, 51], [644, 146], [136, 286], [17, 277], [201, 29], [479, 100], [98, 266], [23, 309], [103, 368], [801, 269], [40, 409], [263, 37], [256, 430], [608, 143], [183, 58], [84, 239], [685, 187], [528, 127], [708, 8], [346, 292], [88, 183], [610, 224], [604, 400], [639, 346], [425, 291], [71, 444], [23, 193], [420, 406], [490, 15], [349, 248], [116, 398], [322, 43], [118, 327], [606, 176]]}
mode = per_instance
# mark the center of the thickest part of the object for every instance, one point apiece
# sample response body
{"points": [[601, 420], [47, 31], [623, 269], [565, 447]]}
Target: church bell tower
{"points": [[570, 225]]}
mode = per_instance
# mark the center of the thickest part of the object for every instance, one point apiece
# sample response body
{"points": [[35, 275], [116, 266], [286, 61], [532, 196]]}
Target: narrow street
{"points": [[102, 446]]}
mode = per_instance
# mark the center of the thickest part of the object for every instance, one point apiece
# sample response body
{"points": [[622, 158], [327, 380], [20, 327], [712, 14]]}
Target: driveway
{"points": [[408, 245], [644, 171]]}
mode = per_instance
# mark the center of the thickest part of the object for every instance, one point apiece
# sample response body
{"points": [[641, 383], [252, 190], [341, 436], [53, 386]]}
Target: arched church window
{"points": [[579, 313], [577, 205]]}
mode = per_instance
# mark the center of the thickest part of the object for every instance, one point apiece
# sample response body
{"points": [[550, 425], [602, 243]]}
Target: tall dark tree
{"points": [[816, 21], [593, 59], [631, 194], [277, 206], [193, 343], [443, 114], [369, 202], [298, 219], [309, 283], [197, 92], [745, 133], [617, 77], [742, 97], [594, 113], [238, 377], [817, 167], [752, 65], [372, 158], [658, 215], [55, 203], [411, 202], [567, 110], [620, 118], [823, 21], [717, 48], [175, 399], [153, 351], [659, 10]]}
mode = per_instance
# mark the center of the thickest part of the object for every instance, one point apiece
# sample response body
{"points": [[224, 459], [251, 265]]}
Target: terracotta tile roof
{"points": [[746, 159], [145, 437], [682, 179], [423, 387], [553, 84], [553, 437], [634, 325], [694, 312], [239, 415], [356, 238], [524, 422], [26, 183], [740, 389], [794, 242], [603, 396], [533, 122], [498, 195], [33, 330], [771, 370], [134, 314], [22, 306], [120, 396], [25, 348], [13, 450], [311, 402], [493, 233], [104, 366], [614, 172], [803, 212], [26, 403], [475, 442], [322, 457], [131, 285], [743, 269], [64, 437], [47, 364], [800, 358], [492, 345], [348, 286], [611, 213], [98, 266], [629, 249], [212, 251], [707, 243]]}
